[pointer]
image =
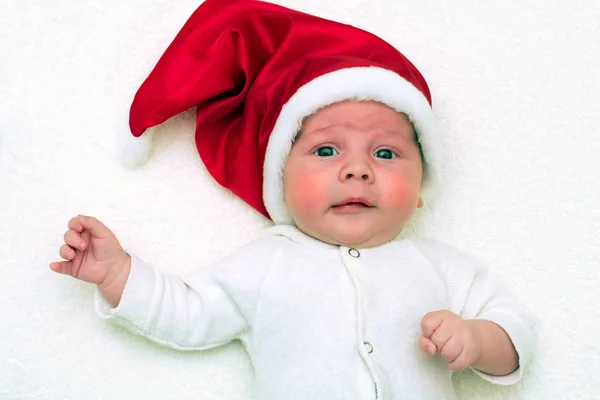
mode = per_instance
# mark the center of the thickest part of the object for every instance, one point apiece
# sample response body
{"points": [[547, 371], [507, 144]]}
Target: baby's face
{"points": [[353, 176]]}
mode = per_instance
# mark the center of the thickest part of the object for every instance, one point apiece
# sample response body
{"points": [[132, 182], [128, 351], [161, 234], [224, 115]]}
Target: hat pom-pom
{"points": [[135, 151]]}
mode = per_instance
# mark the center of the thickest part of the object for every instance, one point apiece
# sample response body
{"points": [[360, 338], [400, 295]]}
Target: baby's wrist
{"points": [[477, 335], [113, 285]]}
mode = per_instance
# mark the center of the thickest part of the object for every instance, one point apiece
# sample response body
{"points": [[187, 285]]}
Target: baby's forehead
{"points": [[368, 116]]}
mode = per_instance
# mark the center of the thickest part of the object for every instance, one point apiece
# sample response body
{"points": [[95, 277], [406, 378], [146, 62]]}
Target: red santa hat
{"points": [[254, 70]]}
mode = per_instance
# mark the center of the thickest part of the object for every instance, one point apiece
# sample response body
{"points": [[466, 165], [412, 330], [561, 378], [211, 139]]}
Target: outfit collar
{"points": [[296, 235]]}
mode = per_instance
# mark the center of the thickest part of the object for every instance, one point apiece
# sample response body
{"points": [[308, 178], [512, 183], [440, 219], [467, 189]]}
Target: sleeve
{"points": [[205, 309], [474, 292]]}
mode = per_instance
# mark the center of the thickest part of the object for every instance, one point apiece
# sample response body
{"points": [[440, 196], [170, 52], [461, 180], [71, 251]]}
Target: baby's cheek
{"points": [[398, 192], [305, 194], [402, 197], [301, 196]]}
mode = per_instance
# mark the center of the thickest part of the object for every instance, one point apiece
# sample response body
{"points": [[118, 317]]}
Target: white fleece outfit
{"points": [[321, 321]]}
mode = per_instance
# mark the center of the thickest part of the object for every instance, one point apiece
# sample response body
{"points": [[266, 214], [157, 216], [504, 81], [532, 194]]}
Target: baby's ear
{"points": [[420, 203]]}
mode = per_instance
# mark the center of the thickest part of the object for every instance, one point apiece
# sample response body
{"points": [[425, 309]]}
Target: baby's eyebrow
{"points": [[396, 134], [380, 133], [301, 132]]}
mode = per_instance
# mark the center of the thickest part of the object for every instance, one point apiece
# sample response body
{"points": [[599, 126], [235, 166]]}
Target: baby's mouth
{"points": [[353, 204]]}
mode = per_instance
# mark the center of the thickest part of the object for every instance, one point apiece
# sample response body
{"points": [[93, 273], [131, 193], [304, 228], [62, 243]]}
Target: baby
{"points": [[329, 303]]}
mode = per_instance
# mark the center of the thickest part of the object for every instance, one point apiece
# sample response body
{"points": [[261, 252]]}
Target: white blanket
{"points": [[515, 85]]}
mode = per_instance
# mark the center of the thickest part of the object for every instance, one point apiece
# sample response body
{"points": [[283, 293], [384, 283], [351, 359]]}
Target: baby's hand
{"points": [[92, 251], [448, 334]]}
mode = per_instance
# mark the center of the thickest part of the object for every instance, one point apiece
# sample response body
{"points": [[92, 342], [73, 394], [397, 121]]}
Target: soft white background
{"points": [[516, 87]]}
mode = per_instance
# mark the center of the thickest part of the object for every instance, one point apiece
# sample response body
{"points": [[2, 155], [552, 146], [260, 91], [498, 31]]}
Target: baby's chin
{"points": [[357, 238]]}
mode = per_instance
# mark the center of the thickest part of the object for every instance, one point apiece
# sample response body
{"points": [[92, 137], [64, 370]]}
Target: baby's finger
{"points": [[440, 337], [452, 349], [91, 224], [74, 240], [66, 252], [430, 322], [427, 345], [62, 267], [75, 224]]}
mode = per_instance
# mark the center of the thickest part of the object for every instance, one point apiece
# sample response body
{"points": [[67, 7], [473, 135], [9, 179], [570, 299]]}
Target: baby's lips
{"points": [[354, 201]]}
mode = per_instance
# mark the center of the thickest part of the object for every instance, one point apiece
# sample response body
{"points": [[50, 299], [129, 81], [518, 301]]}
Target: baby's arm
{"points": [[479, 344], [497, 354], [194, 312], [483, 317]]}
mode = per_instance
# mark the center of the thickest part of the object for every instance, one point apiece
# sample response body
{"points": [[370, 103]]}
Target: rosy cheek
{"points": [[304, 192], [400, 191]]}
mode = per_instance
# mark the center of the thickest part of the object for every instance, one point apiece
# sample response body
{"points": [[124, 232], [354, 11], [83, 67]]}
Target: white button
{"points": [[368, 347], [354, 253]]}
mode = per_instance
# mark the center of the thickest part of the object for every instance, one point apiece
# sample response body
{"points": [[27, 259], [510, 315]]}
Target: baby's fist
{"points": [[92, 252], [445, 333]]}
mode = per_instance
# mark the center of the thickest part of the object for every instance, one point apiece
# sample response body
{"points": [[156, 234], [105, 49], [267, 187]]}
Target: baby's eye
{"points": [[326, 151], [385, 153]]}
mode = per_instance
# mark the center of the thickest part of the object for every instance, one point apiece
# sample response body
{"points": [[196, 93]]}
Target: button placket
{"points": [[367, 347], [354, 253]]}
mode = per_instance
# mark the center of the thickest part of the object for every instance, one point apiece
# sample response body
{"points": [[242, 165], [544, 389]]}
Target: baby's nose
{"points": [[357, 167], [357, 171], [364, 176]]}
